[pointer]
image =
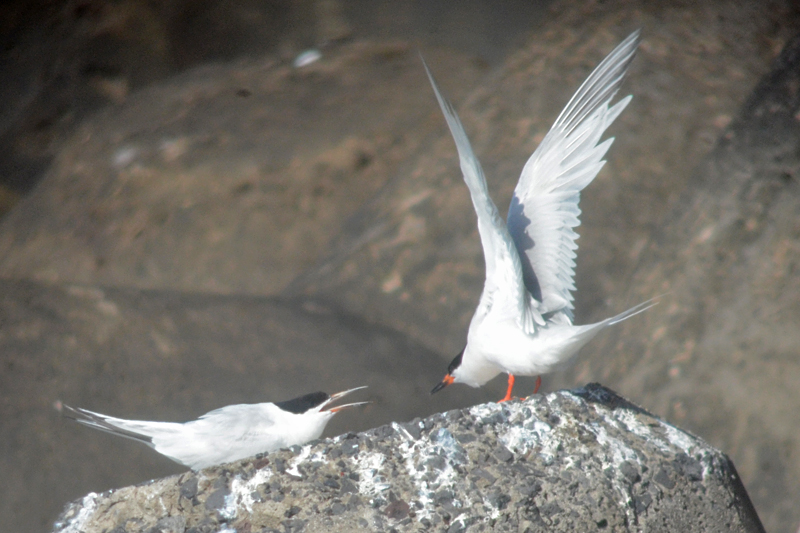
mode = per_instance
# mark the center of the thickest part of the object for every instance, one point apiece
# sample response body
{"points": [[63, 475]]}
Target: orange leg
{"points": [[510, 386], [536, 387]]}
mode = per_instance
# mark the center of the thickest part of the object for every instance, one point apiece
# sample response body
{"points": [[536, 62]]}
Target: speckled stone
{"points": [[580, 460]]}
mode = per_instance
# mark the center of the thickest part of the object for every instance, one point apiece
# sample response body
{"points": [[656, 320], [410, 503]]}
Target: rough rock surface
{"points": [[581, 460], [173, 356], [719, 356], [410, 261]]}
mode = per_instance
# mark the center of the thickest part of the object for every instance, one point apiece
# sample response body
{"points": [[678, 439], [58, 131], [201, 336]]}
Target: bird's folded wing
{"points": [[504, 283], [237, 421], [544, 209]]}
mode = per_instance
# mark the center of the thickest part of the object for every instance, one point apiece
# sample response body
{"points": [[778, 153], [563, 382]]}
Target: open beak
{"points": [[342, 394], [448, 379]]}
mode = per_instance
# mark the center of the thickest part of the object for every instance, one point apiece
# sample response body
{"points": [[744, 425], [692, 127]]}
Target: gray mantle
{"points": [[580, 460]]}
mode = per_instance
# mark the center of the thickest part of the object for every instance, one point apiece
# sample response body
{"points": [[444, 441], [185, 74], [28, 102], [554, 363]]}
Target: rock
{"points": [[235, 178], [719, 355], [59, 64], [173, 356], [227, 178], [411, 257], [580, 460]]}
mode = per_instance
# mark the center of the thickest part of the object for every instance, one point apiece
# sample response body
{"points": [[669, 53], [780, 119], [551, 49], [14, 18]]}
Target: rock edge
{"points": [[584, 459]]}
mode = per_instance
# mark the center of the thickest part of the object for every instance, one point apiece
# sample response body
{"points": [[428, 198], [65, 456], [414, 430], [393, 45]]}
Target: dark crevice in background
{"points": [[60, 61]]}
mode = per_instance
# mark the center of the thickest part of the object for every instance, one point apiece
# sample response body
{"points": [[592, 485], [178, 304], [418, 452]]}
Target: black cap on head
{"points": [[448, 378], [301, 404], [456, 362]]}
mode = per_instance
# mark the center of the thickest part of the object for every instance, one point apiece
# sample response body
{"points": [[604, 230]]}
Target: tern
{"points": [[524, 322], [229, 433]]}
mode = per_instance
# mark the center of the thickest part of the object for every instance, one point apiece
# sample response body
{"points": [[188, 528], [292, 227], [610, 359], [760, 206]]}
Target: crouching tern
{"points": [[523, 323], [229, 433]]}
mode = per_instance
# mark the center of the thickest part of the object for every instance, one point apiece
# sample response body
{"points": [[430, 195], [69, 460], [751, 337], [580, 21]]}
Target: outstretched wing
{"points": [[504, 290], [544, 208]]}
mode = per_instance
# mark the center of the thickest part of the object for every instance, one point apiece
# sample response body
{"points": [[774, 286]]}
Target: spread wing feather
{"points": [[504, 290], [544, 209]]}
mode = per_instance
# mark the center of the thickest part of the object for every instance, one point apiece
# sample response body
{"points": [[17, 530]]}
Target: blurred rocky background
{"points": [[198, 213]]}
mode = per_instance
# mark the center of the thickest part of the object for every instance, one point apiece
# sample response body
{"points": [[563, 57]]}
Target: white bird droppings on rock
{"points": [[429, 462], [305, 452], [77, 515], [371, 482], [242, 490]]}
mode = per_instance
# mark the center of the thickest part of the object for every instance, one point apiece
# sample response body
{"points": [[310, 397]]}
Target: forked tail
{"points": [[635, 310], [105, 423], [581, 335]]}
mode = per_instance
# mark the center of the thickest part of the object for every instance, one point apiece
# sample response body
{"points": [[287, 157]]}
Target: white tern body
{"points": [[226, 434], [523, 323]]}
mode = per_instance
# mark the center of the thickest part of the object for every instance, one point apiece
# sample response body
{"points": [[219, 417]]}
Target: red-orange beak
{"points": [[338, 395], [448, 379]]}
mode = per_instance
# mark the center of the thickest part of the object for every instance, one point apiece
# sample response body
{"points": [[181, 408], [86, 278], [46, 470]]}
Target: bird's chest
{"points": [[507, 346], [499, 340]]}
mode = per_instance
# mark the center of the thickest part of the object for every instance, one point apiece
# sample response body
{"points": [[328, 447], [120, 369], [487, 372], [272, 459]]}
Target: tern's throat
{"points": [[474, 370]]}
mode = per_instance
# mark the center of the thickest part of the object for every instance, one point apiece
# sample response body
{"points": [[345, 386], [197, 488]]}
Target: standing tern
{"points": [[229, 433], [523, 323]]}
